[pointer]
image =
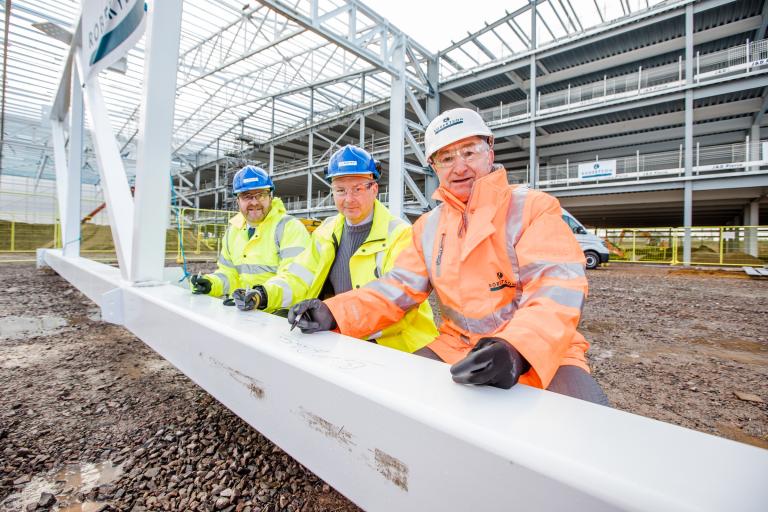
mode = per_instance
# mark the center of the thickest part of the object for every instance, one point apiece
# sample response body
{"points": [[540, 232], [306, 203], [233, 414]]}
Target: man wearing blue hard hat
{"points": [[259, 241], [348, 251]]}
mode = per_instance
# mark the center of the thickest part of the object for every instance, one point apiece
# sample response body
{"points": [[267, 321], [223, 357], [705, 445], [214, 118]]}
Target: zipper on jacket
{"points": [[463, 225], [439, 255]]}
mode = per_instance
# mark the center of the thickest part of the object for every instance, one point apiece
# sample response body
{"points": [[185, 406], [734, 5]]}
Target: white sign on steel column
{"points": [[109, 29]]}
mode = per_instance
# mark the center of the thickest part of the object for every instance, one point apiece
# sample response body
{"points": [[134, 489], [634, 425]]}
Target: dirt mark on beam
{"points": [[254, 386]]}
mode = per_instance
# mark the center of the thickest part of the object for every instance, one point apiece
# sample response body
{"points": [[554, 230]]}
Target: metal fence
{"points": [[196, 234], [742, 58], [717, 245], [641, 166]]}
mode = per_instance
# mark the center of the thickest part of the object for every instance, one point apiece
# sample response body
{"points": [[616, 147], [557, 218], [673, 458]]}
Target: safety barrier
{"points": [[201, 231], [742, 58], [718, 245], [721, 158]]}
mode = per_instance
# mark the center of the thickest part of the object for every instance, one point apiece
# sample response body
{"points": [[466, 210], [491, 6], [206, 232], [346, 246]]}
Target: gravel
{"points": [[90, 416]]}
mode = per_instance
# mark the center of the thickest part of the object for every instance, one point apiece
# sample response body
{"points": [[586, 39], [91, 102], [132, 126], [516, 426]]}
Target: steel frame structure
{"points": [[413, 442]]}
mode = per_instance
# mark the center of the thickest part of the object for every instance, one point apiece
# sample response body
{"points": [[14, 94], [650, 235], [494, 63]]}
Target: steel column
{"points": [[753, 208], [70, 220], [688, 190], [310, 148], [433, 109], [533, 171], [397, 129], [152, 195]]}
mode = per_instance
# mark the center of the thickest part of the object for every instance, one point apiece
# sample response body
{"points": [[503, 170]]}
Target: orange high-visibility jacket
{"points": [[504, 264]]}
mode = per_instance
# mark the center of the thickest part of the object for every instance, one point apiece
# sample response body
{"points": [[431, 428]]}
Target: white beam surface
{"points": [[70, 221], [152, 196], [392, 432], [114, 181]]}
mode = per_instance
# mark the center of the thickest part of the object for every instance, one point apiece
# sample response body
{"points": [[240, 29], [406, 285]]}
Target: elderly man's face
{"points": [[458, 165], [354, 196], [255, 204]]}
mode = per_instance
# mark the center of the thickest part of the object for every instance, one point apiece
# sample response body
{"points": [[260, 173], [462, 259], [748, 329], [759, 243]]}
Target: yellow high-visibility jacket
{"points": [[244, 262], [305, 276]]}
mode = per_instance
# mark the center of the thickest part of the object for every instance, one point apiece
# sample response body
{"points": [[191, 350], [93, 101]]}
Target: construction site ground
{"points": [[91, 419]]}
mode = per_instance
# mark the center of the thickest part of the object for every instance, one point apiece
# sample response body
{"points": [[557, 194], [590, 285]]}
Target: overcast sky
{"points": [[434, 25]]}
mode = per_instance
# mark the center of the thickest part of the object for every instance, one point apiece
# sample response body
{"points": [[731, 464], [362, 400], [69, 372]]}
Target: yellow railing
{"points": [[717, 245], [200, 230], [197, 233]]}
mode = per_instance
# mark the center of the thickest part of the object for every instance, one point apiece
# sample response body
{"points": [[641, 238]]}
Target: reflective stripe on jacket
{"points": [[504, 264], [305, 276], [245, 262]]}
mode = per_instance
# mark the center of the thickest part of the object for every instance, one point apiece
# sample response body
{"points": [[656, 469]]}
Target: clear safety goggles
{"points": [[254, 195], [469, 154], [354, 191]]}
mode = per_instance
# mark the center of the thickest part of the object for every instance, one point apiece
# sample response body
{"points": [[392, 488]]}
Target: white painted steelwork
{"points": [[392, 432]]}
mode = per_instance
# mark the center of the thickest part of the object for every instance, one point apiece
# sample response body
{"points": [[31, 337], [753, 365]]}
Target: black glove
{"points": [[200, 284], [492, 362], [246, 300], [313, 316]]}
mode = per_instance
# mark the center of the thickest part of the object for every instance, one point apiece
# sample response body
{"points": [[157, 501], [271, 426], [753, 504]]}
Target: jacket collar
{"points": [[485, 191], [379, 227], [277, 211]]}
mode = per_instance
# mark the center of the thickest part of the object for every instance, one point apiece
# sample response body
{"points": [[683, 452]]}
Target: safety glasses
{"points": [[354, 191], [469, 154], [255, 195]]}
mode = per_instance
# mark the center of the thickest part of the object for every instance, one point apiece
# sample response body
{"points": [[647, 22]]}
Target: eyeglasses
{"points": [[257, 195], [355, 191], [469, 154]]}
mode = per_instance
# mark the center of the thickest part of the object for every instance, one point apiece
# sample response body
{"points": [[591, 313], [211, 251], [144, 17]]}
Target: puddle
{"points": [[735, 344], [12, 327], [736, 434], [65, 484], [94, 314], [137, 369], [728, 349]]}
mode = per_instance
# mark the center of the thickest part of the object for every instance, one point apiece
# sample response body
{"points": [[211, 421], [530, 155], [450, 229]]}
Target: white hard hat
{"points": [[454, 125]]}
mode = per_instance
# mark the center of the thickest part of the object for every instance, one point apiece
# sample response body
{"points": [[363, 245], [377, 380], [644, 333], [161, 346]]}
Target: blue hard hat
{"points": [[251, 177], [351, 160]]}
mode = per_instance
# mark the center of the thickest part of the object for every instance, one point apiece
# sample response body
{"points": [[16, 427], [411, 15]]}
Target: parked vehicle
{"points": [[594, 248]]}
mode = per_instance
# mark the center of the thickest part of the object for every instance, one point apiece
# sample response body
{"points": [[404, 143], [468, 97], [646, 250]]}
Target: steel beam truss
{"points": [[388, 430], [357, 29], [391, 431], [138, 233]]}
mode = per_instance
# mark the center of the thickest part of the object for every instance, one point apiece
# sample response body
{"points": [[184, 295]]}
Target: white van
{"points": [[594, 250]]}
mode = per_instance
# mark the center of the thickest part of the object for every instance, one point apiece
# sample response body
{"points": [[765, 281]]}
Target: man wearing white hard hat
{"points": [[507, 272]]}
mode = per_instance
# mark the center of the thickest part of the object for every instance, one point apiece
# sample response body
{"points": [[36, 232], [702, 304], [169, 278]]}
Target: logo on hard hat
{"points": [[447, 123], [251, 180], [347, 163]]}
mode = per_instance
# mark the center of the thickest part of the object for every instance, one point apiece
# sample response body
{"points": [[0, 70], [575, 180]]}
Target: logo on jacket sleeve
{"points": [[500, 283]]}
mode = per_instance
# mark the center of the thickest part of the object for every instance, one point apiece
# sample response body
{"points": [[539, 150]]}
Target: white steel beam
{"points": [[392, 432], [150, 220], [70, 221], [114, 181]]}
